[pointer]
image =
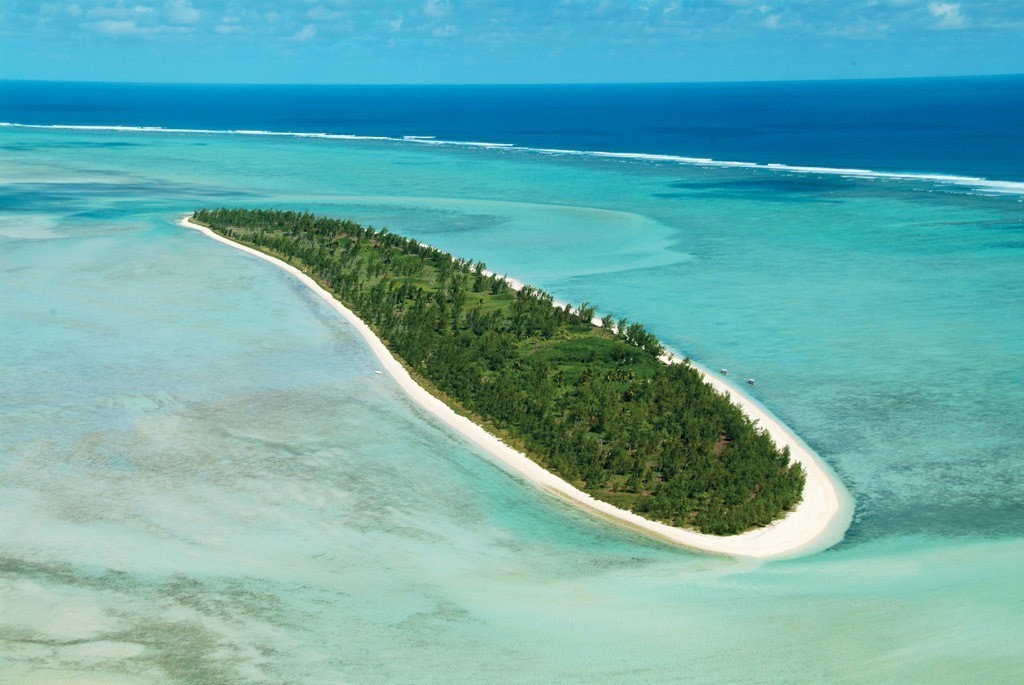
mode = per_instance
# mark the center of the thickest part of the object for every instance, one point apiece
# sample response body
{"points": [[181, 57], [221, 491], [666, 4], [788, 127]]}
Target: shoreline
{"points": [[818, 522]]}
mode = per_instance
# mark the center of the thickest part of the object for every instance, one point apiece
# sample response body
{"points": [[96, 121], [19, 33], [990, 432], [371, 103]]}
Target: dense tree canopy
{"points": [[592, 404]]}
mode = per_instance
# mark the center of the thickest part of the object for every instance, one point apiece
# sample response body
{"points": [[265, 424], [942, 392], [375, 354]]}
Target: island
{"points": [[612, 421]]}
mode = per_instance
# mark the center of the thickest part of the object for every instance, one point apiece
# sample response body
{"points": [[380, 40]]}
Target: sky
{"points": [[506, 41]]}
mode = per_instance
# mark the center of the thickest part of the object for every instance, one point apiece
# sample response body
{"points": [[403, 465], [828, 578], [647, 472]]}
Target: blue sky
{"points": [[529, 41]]}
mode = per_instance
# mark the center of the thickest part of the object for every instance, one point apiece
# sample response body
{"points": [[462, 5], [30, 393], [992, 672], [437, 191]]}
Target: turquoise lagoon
{"points": [[202, 479]]}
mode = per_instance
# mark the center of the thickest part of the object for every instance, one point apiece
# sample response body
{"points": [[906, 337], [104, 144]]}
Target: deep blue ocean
{"points": [[203, 479], [959, 126]]}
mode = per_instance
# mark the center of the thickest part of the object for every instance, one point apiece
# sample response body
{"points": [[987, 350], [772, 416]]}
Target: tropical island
{"points": [[592, 401]]}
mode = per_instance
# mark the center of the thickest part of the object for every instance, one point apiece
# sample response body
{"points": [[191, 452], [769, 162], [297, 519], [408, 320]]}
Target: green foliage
{"points": [[592, 404]]}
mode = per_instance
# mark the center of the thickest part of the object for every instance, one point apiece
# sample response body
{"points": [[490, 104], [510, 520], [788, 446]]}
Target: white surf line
{"points": [[819, 521], [975, 183]]}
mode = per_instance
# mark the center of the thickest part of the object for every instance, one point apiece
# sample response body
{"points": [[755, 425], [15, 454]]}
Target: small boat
{"points": [[379, 373], [724, 372], [751, 381]]}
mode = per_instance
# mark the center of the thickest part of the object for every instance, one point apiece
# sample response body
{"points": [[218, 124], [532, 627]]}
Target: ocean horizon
{"points": [[212, 484]]}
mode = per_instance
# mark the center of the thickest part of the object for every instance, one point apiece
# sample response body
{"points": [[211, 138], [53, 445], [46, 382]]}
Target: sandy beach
{"points": [[819, 521]]}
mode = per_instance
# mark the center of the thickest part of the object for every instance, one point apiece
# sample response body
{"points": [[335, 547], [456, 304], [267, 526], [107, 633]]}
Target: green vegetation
{"points": [[593, 405]]}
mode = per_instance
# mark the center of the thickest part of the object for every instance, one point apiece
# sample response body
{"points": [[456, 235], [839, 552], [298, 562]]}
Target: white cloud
{"points": [[437, 8], [305, 34], [948, 14], [118, 12], [181, 12], [119, 27], [446, 31], [321, 13]]}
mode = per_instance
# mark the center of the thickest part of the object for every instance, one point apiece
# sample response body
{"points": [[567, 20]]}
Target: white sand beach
{"points": [[819, 521]]}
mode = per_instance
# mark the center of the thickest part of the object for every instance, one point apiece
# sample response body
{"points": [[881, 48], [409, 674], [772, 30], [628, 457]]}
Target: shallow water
{"points": [[204, 480]]}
